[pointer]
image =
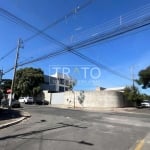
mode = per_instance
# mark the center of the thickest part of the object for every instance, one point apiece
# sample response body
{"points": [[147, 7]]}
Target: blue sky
{"points": [[123, 53]]}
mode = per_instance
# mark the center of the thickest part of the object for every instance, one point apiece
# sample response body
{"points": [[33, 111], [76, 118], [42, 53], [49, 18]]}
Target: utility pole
{"points": [[20, 45], [74, 98], [1, 74], [132, 76]]}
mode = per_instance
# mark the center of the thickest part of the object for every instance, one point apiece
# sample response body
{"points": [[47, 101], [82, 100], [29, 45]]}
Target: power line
{"points": [[93, 40], [30, 27], [7, 54], [141, 11], [124, 19], [83, 57], [100, 37], [99, 64], [96, 39], [46, 36]]}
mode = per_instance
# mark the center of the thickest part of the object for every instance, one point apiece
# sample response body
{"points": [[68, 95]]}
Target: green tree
{"points": [[1, 95], [72, 84], [5, 85], [145, 97], [144, 78], [132, 94], [28, 81]]}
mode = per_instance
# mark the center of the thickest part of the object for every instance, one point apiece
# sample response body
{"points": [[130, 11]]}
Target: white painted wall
{"points": [[47, 95], [104, 99], [57, 98]]}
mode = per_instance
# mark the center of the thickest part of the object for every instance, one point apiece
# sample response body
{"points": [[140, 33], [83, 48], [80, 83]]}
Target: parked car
{"points": [[29, 100], [42, 102], [14, 103], [26, 100], [22, 99], [145, 104]]}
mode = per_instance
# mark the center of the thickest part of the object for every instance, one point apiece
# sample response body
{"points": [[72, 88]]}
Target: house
{"points": [[119, 89], [57, 82]]}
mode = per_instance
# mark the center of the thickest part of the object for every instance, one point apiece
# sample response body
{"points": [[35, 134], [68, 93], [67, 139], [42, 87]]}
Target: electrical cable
{"points": [[25, 24], [99, 64], [93, 40], [40, 32], [17, 20]]}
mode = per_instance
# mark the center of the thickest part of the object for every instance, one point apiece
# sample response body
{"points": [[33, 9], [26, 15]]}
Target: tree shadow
{"points": [[6, 114], [58, 140], [31, 133], [63, 125], [72, 125], [41, 139]]}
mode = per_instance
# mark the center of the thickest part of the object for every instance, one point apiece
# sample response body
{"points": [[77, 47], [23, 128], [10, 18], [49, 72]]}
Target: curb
{"points": [[146, 142], [25, 114], [12, 123], [142, 144], [100, 110], [16, 121]]}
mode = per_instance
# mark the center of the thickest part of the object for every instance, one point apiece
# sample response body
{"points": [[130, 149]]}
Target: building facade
{"points": [[57, 83]]}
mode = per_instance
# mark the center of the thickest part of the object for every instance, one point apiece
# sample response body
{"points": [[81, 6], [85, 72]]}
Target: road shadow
{"points": [[41, 138], [59, 140], [6, 114], [72, 125], [61, 125]]}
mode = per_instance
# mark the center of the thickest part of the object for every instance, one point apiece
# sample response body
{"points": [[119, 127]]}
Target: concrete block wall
{"points": [[97, 99], [103, 99], [47, 95], [57, 98]]}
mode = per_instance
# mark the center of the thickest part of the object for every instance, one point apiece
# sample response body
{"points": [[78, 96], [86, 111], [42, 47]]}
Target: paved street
{"points": [[62, 129]]}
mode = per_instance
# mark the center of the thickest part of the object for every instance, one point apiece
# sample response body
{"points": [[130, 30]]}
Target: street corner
{"points": [[12, 117], [25, 114], [146, 145], [142, 144], [7, 123]]}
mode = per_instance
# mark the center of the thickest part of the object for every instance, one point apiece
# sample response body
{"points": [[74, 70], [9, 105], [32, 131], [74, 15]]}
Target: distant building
{"points": [[57, 83], [119, 89], [100, 88]]}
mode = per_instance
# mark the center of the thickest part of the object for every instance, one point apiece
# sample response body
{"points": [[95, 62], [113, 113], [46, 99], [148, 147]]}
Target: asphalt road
{"points": [[62, 129]]}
